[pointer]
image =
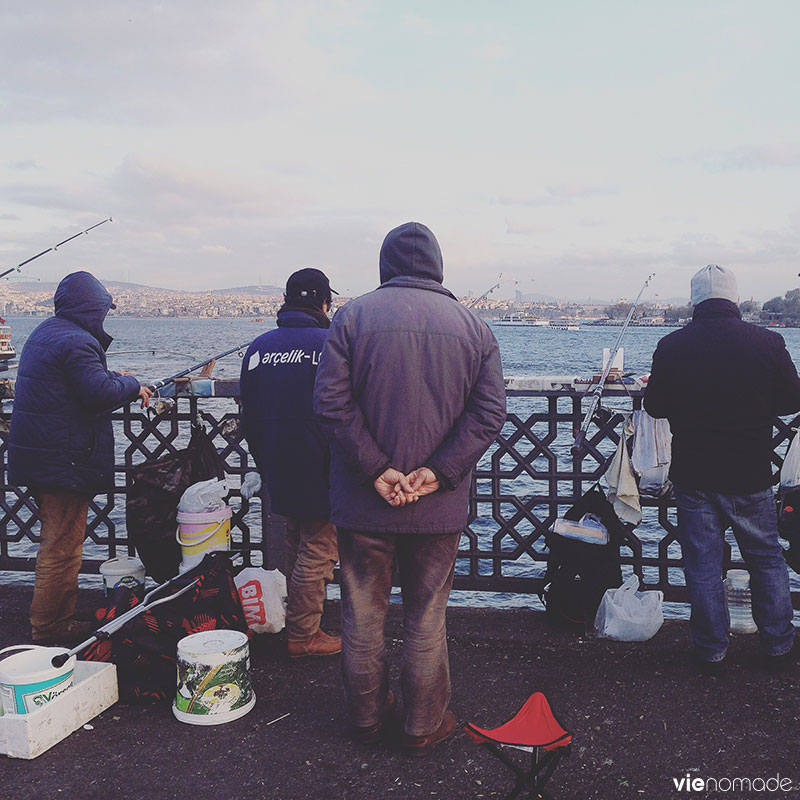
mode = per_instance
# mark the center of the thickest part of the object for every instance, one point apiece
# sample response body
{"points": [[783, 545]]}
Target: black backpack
{"points": [[789, 524], [578, 573]]}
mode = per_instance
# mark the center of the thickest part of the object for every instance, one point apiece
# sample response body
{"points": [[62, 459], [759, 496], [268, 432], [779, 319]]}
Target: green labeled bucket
{"points": [[213, 678], [28, 679]]}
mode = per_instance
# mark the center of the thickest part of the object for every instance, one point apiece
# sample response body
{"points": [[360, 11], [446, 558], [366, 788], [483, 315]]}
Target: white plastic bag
{"points": [[790, 471], [629, 615], [263, 596], [204, 496], [251, 485]]}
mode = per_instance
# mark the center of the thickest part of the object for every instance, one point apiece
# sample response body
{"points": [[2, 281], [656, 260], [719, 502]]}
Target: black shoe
{"points": [[370, 734], [784, 662], [712, 669]]}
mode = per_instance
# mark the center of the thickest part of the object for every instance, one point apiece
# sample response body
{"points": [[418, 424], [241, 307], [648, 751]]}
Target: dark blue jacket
{"points": [[277, 387], [57, 440], [409, 378], [721, 382]]}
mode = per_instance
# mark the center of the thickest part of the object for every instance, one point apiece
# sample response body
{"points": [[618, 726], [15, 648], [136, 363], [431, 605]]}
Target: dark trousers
{"points": [[58, 561], [425, 564]]}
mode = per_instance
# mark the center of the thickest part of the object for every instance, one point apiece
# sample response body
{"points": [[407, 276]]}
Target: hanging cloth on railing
{"points": [[623, 490], [651, 454]]}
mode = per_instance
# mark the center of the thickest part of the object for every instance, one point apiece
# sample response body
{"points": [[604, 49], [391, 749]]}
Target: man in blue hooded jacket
{"points": [[61, 445], [290, 451], [410, 394]]}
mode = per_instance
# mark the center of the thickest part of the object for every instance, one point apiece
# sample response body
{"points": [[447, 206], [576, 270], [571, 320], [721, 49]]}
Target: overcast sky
{"points": [[572, 146]]}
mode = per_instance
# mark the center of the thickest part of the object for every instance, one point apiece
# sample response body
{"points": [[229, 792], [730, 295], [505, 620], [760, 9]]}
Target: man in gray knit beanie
{"points": [[721, 382]]}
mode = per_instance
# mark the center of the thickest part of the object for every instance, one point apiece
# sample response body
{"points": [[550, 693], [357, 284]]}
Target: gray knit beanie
{"points": [[714, 282]]}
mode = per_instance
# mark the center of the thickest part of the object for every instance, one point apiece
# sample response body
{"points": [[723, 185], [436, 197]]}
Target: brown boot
{"points": [[320, 644], [421, 746]]}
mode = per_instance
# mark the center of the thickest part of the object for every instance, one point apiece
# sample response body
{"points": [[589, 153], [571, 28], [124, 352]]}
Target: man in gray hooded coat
{"points": [[410, 393]]}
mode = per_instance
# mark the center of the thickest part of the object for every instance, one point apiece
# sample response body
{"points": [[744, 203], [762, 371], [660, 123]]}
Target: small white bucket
{"points": [[123, 571], [201, 533], [28, 679], [213, 678]]}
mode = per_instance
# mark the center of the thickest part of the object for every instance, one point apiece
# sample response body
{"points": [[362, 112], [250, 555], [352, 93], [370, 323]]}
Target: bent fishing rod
{"points": [[172, 378], [490, 290], [53, 248], [158, 385], [580, 439]]}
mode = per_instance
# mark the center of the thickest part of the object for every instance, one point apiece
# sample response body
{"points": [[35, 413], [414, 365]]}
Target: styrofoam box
{"points": [[94, 689]]}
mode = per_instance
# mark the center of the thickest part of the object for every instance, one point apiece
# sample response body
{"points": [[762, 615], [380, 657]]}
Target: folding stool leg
{"points": [[520, 773]]}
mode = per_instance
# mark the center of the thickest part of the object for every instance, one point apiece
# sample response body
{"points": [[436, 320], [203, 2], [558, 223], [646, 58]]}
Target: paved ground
{"points": [[639, 714]]}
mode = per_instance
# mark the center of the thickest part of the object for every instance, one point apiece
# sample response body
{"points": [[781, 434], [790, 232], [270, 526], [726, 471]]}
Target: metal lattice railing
{"points": [[525, 481]]}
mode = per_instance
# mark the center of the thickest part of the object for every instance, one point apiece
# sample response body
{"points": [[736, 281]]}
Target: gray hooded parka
{"points": [[408, 378]]}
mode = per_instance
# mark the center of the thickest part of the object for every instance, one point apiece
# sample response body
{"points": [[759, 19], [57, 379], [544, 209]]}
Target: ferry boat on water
{"points": [[518, 320], [7, 351], [565, 325]]}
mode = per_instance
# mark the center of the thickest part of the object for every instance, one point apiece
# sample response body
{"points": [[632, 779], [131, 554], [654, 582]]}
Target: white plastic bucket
{"points": [[123, 571], [213, 678], [28, 680], [201, 533]]}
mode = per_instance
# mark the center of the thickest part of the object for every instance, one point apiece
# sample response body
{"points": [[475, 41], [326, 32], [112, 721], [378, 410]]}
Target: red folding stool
{"points": [[532, 729]]}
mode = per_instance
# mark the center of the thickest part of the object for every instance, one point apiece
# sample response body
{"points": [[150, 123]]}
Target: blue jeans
{"points": [[703, 518], [425, 563]]}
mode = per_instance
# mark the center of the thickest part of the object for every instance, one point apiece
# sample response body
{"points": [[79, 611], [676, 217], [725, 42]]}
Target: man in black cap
{"points": [[277, 386]]}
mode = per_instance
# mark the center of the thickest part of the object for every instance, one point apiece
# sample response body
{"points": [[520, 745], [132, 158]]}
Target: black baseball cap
{"points": [[309, 284]]}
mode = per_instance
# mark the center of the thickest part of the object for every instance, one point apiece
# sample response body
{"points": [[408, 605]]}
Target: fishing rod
{"points": [[54, 247], [158, 385], [490, 290], [580, 440], [172, 378]]}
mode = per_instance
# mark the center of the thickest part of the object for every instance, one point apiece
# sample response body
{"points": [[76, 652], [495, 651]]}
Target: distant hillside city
{"points": [[36, 299]]}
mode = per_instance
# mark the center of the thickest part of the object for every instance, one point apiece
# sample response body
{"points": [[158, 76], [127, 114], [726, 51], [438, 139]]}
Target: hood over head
{"points": [[82, 299], [411, 250]]}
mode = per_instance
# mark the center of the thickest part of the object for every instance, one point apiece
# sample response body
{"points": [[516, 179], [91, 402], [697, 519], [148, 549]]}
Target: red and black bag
{"points": [[145, 648]]}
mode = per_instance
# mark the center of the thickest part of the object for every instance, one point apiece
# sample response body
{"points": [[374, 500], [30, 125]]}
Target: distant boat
{"points": [[517, 320], [7, 351], [511, 319], [565, 325]]}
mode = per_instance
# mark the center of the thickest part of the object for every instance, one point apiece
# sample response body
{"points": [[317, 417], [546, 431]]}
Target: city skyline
{"points": [[570, 149]]}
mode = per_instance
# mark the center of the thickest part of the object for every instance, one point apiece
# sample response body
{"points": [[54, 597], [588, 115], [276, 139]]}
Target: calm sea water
{"points": [[158, 348]]}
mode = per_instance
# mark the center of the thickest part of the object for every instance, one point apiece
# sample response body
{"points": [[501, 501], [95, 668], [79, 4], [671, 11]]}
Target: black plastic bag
{"points": [[152, 505], [578, 573]]}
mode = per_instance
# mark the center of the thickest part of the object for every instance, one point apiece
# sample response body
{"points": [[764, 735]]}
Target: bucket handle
{"points": [[23, 647], [200, 541]]}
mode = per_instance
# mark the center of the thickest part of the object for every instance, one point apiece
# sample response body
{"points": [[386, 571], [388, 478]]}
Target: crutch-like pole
{"points": [[580, 440]]}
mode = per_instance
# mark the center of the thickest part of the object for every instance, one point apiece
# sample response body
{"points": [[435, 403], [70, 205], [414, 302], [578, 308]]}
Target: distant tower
{"points": [[517, 296]]}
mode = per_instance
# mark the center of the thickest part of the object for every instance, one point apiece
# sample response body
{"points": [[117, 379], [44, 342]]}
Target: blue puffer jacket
{"points": [[57, 440], [277, 387]]}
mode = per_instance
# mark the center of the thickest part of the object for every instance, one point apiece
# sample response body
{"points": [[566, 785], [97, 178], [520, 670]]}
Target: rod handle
{"points": [[578, 445]]}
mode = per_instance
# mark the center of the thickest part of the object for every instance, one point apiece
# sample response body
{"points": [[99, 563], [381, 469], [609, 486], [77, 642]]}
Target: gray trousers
{"points": [[425, 564]]}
